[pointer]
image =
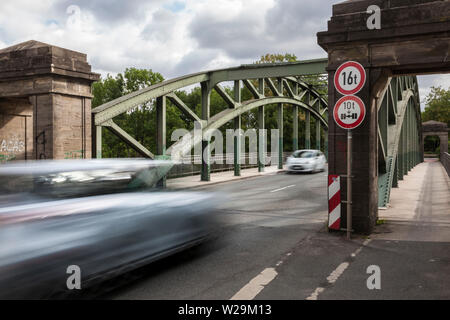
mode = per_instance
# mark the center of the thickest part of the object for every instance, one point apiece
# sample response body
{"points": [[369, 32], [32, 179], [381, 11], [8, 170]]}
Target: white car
{"points": [[306, 161]]}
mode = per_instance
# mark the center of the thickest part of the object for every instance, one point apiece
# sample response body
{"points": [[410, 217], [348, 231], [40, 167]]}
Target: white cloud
{"points": [[428, 81], [174, 37]]}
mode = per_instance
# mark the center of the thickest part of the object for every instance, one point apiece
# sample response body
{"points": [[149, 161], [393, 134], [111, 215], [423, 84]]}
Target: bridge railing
{"points": [[191, 164], [445, 159]]}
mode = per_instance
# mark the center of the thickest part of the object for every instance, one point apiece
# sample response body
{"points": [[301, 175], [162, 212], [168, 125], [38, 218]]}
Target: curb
{"points": [[236, 179]]}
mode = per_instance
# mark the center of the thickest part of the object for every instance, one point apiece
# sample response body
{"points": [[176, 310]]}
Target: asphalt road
{"points": [[264, 219], [274, 245]]}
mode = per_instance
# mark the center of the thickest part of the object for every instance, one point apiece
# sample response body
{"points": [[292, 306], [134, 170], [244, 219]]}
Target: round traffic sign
{"points": [[349, 112], [349, 78]]}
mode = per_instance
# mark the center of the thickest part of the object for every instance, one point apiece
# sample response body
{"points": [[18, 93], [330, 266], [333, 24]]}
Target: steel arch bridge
{"points": [[398, 110]]}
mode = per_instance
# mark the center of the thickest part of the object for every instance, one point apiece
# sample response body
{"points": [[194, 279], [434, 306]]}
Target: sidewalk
{"points": [[219, 177], [419, 209], [410, 248]]}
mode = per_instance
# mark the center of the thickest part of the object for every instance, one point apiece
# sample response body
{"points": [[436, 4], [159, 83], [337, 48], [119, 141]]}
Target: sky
{"points": [[174, 37]]}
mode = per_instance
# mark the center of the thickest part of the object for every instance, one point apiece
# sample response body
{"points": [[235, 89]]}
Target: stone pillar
{"points": [[364, 151], [45, 102], [413, 39]]}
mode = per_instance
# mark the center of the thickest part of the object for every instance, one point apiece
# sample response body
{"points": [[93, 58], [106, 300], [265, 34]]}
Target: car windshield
{"points": [[82, 182], [304, 154]]}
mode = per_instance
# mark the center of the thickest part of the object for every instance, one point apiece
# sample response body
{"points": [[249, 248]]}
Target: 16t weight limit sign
{"points": [[349, 78]]}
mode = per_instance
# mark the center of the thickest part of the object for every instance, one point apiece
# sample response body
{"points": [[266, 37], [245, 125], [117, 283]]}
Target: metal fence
{"points": [[191, 165], [445, 159]]}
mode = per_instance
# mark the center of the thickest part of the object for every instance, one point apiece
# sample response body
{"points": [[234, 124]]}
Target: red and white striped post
{"points": [[334, 202]]}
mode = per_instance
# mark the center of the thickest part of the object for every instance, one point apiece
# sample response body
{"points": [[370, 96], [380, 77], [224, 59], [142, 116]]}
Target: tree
{"points": [[137, 122], [437, 105], [140, 122], [277, 58], [438, 109]]}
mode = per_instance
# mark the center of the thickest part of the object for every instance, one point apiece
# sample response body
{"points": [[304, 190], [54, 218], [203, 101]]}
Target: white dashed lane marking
{"points": [[332, 278], [255, 286], [293, 185]]}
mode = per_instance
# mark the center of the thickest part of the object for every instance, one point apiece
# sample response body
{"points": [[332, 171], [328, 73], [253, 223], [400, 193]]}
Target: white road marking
{"points": [[337, 272], [293, 185], [332, 278], [255, 286], [315, 294]]}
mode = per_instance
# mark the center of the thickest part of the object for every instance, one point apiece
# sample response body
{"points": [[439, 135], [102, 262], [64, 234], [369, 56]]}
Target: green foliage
{"points": [[140, 122], [437, 105], [137, 122], [431, 144], [438, 109], [277, 57]]}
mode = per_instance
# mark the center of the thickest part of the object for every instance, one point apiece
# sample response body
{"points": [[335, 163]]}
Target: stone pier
{"points": [[45, 103]]}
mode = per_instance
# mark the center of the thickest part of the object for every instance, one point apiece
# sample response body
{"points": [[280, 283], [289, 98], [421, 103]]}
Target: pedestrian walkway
{"points": [[409, 248], [420, 206], [219, 177]]}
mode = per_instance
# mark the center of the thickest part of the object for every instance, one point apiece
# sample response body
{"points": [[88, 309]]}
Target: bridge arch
{"points": [[399, 127], [282, 80]]}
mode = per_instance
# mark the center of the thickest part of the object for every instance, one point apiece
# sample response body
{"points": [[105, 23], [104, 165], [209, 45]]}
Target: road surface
{"points": [[265, 218], [274, 245]]}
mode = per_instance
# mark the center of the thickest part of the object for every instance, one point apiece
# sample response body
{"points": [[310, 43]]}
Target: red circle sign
{"points": [[349, 112], [349, 78]]}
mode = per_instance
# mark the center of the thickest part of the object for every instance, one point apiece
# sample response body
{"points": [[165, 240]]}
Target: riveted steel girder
{"points": [[398, 133], [115, 107]]}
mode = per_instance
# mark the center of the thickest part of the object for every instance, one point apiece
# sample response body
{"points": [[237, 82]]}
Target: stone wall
{"points": [[16, 130], [45, 102]]}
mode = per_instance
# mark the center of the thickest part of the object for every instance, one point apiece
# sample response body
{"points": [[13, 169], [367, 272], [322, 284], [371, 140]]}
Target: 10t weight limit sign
{"points": [[349, 112], [349, 78]]}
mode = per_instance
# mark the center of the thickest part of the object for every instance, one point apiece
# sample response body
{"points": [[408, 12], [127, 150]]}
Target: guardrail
{"points": [[445, 159], [191, 165]]}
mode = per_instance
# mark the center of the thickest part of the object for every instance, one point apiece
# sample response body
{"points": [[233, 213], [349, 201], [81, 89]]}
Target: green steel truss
{"points": [[282, 79], [399, 131], [399, 134]]}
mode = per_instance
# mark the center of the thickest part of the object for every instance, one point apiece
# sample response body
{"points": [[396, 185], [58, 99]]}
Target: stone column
{"points": [[45, 102], [413, 39]]}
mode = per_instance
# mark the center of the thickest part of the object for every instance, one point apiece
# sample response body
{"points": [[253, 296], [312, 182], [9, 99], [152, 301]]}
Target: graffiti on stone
{"points": [[13, 145], [10, 148], [78, 154]]}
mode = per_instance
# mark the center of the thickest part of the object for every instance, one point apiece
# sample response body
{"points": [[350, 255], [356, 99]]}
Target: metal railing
{"points": [[191, 165], [445, 159]]}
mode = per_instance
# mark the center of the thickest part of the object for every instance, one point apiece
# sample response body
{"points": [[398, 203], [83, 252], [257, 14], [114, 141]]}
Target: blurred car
{"points": [[103, 216], [306, 161]]}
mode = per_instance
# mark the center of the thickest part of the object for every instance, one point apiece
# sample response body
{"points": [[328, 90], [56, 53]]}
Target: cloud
{"points": [[174, 37], [428, 81], [283, 26], [111, 11]]}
